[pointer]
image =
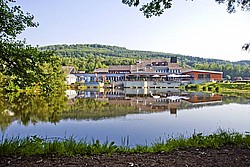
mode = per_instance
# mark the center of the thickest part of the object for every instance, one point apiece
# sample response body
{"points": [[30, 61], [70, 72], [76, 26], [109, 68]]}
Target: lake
{"points": [[137, 116]]}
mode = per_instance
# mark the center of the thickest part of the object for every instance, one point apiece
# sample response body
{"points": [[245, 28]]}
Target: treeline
{"points": [[87, 57], [230, 70]]}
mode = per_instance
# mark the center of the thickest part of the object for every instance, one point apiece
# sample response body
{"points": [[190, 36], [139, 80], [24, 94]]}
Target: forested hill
{"points": [[80, 50], [87, 57]]}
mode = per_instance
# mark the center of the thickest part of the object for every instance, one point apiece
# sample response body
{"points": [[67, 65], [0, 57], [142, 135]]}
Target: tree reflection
{"points": [[94, 109], [31, 108]]}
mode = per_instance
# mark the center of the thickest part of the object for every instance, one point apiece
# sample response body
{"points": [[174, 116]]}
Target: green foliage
{"points": [[225, 88], [228, 77], [90, 56], [22, 66], [230, 70], [25, 66], [211, 88], [204, 88], [217, 88], [193, 87], [232, 4], [239, 86], [157, 7], [13, 20], [31, 108], [87, 108], [35, 145]]}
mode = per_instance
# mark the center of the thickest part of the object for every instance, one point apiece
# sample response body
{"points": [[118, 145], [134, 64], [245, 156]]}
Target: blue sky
{"points": [[196, 28]]}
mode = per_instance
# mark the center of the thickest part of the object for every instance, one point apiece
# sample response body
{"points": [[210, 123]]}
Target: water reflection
{"points": [[144, 100], [140, 113], [31, 108]]}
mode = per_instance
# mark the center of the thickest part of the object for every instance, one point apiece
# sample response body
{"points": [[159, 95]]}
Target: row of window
{"points": [[203, 76], [168, 71]]}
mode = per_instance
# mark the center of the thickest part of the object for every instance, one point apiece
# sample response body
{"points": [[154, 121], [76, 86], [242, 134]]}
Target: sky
{"points": [[199, 28]]}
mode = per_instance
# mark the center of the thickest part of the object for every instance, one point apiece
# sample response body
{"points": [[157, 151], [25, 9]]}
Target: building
{"points": [[200, 76], [145, 73], [143, 66], [69, 71], [197, 98]]}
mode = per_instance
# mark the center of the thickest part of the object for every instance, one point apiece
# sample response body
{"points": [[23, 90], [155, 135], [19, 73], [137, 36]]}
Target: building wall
{"points": [[206, 75], [204, 98], [71, 78], [149, 84]]}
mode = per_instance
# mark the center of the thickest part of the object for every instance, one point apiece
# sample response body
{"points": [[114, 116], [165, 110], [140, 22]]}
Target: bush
{"points": [[210, 88], [204, 88], [217, 89]]}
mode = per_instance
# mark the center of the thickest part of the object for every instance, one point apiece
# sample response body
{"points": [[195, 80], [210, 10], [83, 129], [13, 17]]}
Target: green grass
{"points": [[34, 145], [232, 89]]}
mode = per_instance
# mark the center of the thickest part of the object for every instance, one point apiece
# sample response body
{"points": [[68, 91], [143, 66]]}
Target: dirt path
{"points": [[227, 156]]}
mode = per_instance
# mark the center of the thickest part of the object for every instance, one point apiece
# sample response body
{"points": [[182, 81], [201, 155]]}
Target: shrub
{"points": [[204, 88]]}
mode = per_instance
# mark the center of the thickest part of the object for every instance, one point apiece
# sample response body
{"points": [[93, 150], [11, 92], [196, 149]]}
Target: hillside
{"points": [[87, 57], [83, 50]]}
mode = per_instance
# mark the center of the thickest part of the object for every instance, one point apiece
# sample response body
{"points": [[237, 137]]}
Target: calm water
{"points": [[142, 116]]}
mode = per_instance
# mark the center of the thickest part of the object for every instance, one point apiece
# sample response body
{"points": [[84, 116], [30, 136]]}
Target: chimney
{"points": [[173, 60]]}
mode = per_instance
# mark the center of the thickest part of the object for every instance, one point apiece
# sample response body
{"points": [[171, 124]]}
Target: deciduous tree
{"points": [[21, 65], [157, 7], [13, 20]]}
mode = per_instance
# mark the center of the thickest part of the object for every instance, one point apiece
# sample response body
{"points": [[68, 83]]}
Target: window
{"points": [[207, 76], [200, 76]]}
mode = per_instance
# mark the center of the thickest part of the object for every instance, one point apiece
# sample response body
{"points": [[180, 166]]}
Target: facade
{"points": [[201, 98], [145, 73], [143, 66], [145, 70], [69, 71], [71, 79], [199, 76]]}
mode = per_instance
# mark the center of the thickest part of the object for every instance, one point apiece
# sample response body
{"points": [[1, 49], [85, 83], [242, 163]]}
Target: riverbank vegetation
{"points": [[35, 145], [225, 88]]}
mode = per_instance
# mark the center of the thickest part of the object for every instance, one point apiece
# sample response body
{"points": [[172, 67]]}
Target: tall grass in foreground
{"points": [[34, 145]]}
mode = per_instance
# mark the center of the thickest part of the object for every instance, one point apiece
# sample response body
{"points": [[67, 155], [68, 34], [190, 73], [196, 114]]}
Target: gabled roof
{"points": [[145, 62], [173, 66], [101, 70], [204, 71], [120, 68], [68, 69], [186, 69]]}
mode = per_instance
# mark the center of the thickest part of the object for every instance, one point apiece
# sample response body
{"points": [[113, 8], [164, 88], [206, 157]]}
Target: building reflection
{"points": [[150, 100], [203, 98]]}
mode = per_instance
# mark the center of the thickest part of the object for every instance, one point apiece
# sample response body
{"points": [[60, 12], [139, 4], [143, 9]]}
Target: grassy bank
{"points": [[225, 88], [34, 145]]}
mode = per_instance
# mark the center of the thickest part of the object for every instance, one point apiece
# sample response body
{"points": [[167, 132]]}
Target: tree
{"points": [[232, 4], [157, 7], [24, 66], [228, 77], [21, 65], [13, 21]]}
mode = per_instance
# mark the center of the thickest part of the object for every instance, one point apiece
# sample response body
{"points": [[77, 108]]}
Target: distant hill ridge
{"points": [[80, 50], [106, 55]]}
